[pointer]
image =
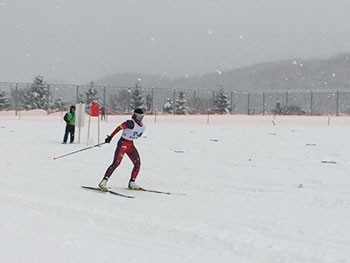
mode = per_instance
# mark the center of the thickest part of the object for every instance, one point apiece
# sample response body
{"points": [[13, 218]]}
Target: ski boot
{"points": [[133, 186], [103, 184]]}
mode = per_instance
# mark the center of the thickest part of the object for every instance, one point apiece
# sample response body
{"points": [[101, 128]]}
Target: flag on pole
{"points": [[95, 110]]}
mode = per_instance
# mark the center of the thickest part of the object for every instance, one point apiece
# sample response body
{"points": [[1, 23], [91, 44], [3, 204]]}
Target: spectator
{"points": [[69, 118]]}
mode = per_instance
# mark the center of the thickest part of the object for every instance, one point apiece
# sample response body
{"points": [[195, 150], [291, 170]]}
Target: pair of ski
{"points": [[108, 190]]}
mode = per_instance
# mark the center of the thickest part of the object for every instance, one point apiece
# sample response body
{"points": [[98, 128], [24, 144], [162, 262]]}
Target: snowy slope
{"points": [[253, 194]]}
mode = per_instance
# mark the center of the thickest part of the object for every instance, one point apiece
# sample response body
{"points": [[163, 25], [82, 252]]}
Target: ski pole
{"points": [[96, 145]]}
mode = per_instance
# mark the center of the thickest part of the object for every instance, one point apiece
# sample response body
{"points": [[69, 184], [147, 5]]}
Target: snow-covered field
{"points": [[254, 192]]}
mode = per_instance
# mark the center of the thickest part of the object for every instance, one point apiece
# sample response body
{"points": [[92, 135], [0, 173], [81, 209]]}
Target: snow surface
{"points": [[253, 193]]}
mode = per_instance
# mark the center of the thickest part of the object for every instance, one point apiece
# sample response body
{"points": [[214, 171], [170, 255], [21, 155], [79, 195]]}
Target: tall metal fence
{"points": [[118, 99]]}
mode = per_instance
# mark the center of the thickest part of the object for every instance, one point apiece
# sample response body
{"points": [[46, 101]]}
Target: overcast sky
{"points": [[82, 40]]}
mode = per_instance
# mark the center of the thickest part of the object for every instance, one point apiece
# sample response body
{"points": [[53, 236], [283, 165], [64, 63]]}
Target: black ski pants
{"points": [[69, 130]]}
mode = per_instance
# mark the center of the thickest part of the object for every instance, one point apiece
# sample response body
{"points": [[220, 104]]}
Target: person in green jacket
{"points": [[69, 118]]}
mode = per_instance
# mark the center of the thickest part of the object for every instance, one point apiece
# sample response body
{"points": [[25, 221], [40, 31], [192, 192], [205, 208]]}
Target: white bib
{"points": [[133, 134]]}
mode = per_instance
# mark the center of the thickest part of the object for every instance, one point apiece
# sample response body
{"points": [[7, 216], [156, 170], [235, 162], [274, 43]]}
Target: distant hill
{"points": [[332, 73]]}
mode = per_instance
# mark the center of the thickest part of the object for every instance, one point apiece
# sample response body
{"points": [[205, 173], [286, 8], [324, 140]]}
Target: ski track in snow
{"points": [[253, 194]]}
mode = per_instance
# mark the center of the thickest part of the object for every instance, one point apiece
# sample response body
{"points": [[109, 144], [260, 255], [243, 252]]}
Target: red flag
{"points": [[95, 110]]}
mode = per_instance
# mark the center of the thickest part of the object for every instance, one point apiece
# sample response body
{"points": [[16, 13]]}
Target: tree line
{"points": [[39, 96]]}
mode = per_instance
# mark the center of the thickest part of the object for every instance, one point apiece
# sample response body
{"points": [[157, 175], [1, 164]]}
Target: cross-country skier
{"points": [[69, 118], [132, 130]]}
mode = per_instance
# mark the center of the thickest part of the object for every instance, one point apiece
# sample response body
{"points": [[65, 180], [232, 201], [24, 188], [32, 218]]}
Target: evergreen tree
{"points": [[278, 108], [287, 110], [168, 106], [4, 101], [180, 107], [136, 98], [91, 95], [59, 103], [221, 103], [37, 96]]}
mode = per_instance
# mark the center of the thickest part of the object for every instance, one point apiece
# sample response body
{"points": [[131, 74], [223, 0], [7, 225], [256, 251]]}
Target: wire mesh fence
{"points": [[114, 99]]}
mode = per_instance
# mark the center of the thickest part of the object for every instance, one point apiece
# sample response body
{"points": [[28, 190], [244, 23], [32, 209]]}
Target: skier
{"points": [[69, 118], [132, 130]]}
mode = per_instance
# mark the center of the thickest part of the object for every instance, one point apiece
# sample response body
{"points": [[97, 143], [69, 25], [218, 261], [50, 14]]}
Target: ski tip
{"points": [[54, 158]]}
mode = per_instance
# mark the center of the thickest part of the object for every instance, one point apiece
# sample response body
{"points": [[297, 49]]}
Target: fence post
{"points": [[263, 95], [248, 103], [174, 100], [152, 103], [104, 98], [48, 99], [287, 98], [213, 101], [337, 104], [129, 99], [16, 98], [311, 99], [194, 100], [77, 95]]}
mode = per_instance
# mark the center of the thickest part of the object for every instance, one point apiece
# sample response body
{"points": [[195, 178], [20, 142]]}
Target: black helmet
{"points": [[138, 111], [72, 107]]}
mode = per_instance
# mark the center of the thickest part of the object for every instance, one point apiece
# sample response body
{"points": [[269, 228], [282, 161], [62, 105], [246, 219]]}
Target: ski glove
{"points": [[108, 139]]}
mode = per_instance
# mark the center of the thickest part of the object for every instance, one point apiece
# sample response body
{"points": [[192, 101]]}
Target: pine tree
{"points": [[37, 96], [4, 101], [91, 95], [136, 98], [59, 103], [180, 107], [221, 103], [168, 106]]}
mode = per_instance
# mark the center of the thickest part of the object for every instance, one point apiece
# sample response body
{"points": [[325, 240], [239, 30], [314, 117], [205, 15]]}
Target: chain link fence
{"points": [[118, 99]]}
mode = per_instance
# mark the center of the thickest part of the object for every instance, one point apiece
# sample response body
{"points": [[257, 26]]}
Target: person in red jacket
{"points": [[132, 130]]}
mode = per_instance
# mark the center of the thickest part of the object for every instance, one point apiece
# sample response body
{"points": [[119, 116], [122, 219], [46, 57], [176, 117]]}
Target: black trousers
{"points": [[69, 130]]}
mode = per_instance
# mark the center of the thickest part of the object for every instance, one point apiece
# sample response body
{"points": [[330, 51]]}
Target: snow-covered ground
{"points": [[254, 192]]}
